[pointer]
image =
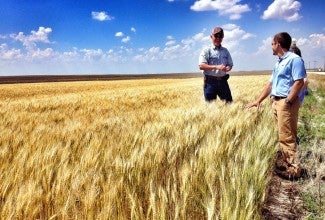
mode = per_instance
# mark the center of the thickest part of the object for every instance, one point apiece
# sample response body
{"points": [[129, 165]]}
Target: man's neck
{"points": [[282, 52]]}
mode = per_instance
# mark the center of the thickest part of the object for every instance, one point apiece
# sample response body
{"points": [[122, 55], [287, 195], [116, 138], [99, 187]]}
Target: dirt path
{"points": [[283, 200]]}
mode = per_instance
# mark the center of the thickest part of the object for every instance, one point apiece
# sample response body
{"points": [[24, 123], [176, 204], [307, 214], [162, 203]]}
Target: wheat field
{"points": [[133, 149]]}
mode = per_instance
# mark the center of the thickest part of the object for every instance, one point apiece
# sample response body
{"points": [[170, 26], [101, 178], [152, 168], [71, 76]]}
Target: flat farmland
{"points": [[147, 148]]}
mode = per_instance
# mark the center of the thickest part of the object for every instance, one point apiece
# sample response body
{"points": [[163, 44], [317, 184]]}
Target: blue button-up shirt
{"points": [[215, 56], [289, 68]]}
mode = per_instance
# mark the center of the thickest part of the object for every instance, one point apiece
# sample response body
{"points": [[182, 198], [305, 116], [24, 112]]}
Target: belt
{"points": [[279, 97], [214, 77]]}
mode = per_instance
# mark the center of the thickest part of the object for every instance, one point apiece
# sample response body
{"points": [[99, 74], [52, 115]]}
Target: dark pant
{"points": [[214, 87]]}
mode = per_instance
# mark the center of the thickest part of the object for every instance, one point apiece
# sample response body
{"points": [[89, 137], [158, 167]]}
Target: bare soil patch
{"points": [[283, 201]]}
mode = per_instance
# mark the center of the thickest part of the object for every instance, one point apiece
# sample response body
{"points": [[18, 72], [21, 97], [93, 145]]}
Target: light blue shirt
{"points": [[215, 56], [289, 68]]}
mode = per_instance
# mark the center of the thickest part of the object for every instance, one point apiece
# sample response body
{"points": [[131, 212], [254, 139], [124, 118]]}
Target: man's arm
{"points": [[204, 66], [297, 85], [227, 68], [265, 93]]}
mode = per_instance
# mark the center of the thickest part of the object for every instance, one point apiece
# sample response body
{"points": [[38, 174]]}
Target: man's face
{"points": [[217, 39], [275, 46]]}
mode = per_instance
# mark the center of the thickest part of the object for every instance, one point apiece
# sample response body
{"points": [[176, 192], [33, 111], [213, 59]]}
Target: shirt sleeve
{"points": [[271, 78], [229, 61], [298, 69], [203, 58]]}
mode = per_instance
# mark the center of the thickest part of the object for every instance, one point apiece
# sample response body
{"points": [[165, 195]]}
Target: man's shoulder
{"points": [[292, 56], [207, 48]]}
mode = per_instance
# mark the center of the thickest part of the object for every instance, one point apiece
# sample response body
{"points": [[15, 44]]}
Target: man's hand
{"points": [[265, 93], [253, 104], [224, 68], [228, 68], [220, 67]]}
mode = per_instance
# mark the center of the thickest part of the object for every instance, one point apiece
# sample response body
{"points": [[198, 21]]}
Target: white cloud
{"points": [[9, 54], [119, 34], [224, 7], [90, 54], [265, 46], [183, 52], [189, 48], [283, 9], [42, 54], [151, 54], [170, 42], [234, 35], [71, 55], [133, 29], [126, 39], [36, 36], [312, 49], [317, 40], [101, 16], [234, 32]]}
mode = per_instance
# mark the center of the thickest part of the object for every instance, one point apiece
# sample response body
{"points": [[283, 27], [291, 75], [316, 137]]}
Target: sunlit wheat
{"points": [[133, 149]]}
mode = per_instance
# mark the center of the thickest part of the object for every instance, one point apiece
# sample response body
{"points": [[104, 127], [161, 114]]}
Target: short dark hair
{"points": [[284, 39]]}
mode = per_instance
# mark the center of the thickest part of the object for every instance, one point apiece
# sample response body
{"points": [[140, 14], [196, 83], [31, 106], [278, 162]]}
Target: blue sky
{"points": [[150, 36]]}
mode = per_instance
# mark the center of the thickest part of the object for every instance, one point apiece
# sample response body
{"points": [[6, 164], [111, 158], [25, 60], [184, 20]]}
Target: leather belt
{"points": [[214, 77], [278, 97]]}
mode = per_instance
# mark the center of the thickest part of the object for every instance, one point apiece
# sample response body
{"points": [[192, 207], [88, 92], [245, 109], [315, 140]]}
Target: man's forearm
{"points": [[298, 84], [265, 93], [204, 66]]}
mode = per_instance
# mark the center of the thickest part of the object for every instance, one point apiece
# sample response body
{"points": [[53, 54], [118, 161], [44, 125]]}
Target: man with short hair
{"points": [[215, 61], [284, 86]]}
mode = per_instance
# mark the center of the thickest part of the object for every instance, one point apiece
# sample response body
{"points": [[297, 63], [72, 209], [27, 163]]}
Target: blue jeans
{"points": [[217, 87]]}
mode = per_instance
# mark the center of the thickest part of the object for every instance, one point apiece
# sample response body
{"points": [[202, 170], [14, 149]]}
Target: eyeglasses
{"points": [[218, 35]]}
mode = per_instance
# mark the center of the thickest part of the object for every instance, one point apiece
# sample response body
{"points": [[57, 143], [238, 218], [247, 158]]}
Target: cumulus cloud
{"points": [[151, 54], [91, 54], [230, 8], [101, 16], [311, 47], [126, 39], [315, 42], [133, 29], [234, 32], [170, 42], [234, 35], [8, 54], [318, 40], [42, 54], [41, 35], [283, 9], [119, 34], [173, 52]]}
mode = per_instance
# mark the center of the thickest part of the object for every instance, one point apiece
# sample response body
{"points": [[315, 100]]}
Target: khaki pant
{"points": [[286, 118]]}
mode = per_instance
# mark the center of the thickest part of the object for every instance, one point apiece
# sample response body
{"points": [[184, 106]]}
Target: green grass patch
{"points": [[312, 117], [311, 132]]}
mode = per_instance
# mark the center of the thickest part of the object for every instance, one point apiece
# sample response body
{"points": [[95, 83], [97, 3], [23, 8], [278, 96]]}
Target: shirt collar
{"points": [[284, 56]]}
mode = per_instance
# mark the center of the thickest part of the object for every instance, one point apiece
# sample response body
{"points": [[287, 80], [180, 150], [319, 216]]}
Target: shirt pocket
{"points": [[224, 60], [214, 59]]}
